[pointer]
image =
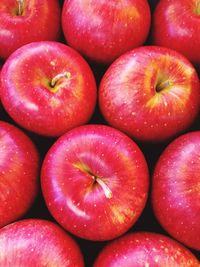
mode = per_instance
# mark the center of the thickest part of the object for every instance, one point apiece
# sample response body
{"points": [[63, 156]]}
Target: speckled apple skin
{"points": [[103, 30], [151, 93], [27, 94], [176, 189], [19, 173], [175, 24], [145, 249], [39, 21], [36, 242], [73, 196]]}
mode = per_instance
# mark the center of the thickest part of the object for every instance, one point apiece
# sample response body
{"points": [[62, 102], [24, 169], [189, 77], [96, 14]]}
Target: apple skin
{"points": [[40, 20], [36, 242], [33, 103], [176, 24], [104, 30], [176, 189], [145, 249], [74, 197], [151, 93], [19, 173]]}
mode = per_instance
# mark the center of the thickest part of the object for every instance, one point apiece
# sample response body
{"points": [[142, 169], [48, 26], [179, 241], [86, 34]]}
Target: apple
{"points": [[25, 21], [145, 249], [47, 88], [19, 173], [151, 93], [36, 242], [176, 189], [95, 182], [176, 24], [103, 30]]}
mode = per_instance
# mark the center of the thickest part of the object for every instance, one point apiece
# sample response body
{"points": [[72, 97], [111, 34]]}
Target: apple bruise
{"points": [[97, 180]]}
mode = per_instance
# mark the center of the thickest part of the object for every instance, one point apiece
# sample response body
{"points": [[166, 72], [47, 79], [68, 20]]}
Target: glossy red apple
{"points": [[25, 21], [176, 189], [35, 242], [19, 173], [151, 93], [103, 30], [145, 249], [95, 182], [176, 24], [48, 88]]}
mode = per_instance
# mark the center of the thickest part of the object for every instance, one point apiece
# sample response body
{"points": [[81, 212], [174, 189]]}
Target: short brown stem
{"points": [[106, 189], [197, 9], [163, 85], [20, 7], [84, 168], [58, 77]]}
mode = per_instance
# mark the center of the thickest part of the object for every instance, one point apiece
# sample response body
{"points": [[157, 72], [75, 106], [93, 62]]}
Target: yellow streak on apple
{"points": [[120, 214], [130, 166], [128, 14], [194, 187], [77, 91]]}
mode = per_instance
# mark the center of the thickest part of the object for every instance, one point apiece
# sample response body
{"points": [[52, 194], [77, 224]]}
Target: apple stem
{"points": [[106, 189], [197, 9], [20, 7], [58, 77], [163, 85], [84, 168]]}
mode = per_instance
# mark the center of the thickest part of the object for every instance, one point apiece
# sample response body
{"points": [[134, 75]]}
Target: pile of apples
{"points": [[99, 133]]}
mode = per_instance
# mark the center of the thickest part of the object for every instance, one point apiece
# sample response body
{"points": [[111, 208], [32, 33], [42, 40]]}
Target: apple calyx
{"points": [[57, 78], [162, 85], [21, 4], [84, 168]]}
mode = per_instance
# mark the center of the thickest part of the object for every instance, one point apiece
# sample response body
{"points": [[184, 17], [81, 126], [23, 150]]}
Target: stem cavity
{"points": [[97, 180]]}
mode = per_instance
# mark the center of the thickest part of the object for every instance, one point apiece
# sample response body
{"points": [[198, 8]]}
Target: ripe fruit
{"points": [[176, 24], [35, 242], [151, 93], [103, 30], [19, 171], [24, 21], [95, 182], [145, 249], [48, 88], [176, 189]]}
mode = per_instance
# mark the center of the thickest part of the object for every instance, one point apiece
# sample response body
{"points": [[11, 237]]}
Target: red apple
{"points": [[176, 24], [151, 93], [176, 189], [19, 173], [103, 30], [35, 242], [25, 21], [145, 249], [95, 182], [48, 88]]}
